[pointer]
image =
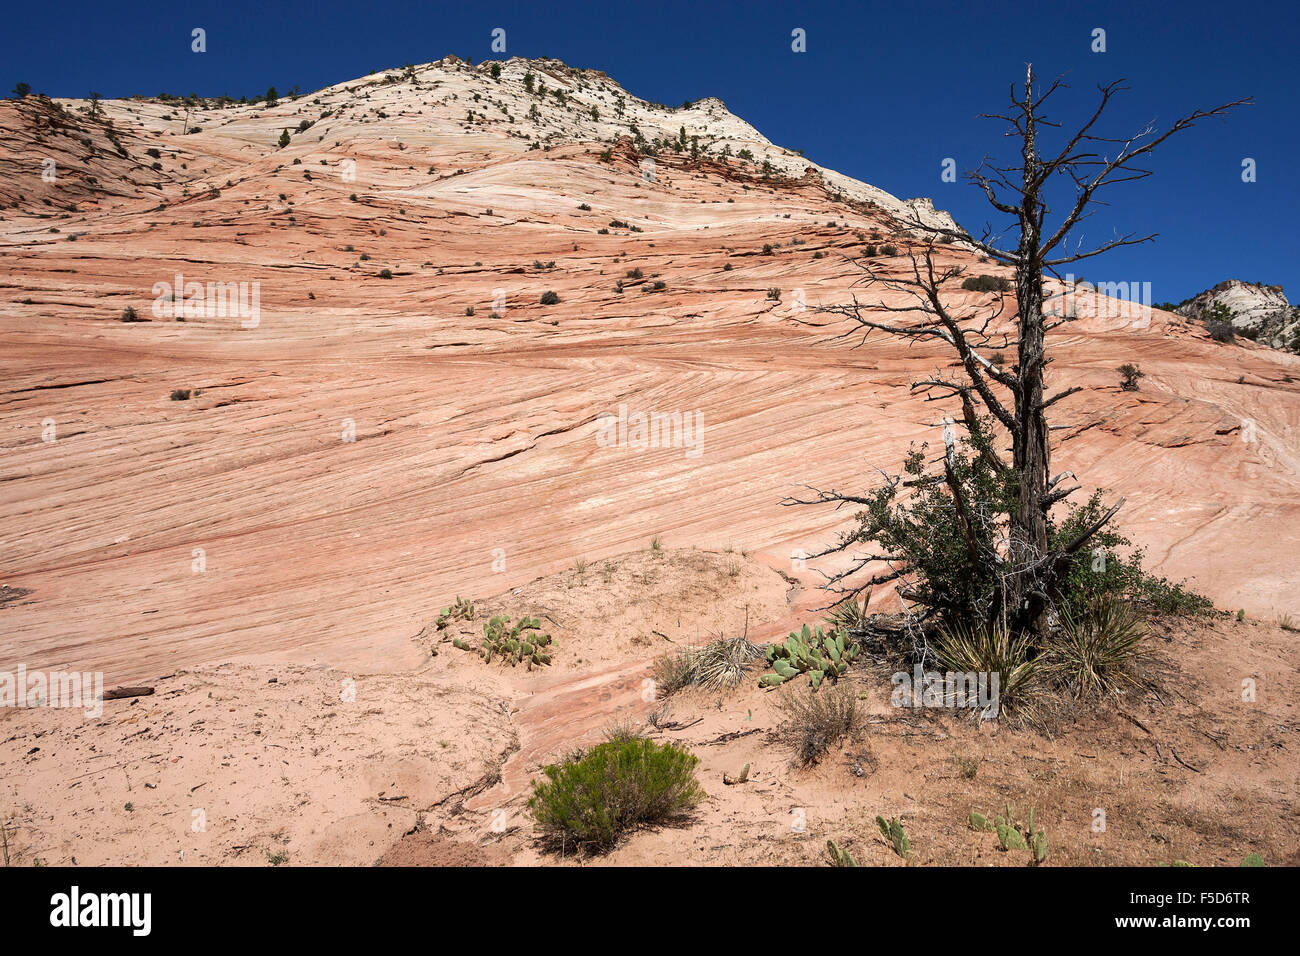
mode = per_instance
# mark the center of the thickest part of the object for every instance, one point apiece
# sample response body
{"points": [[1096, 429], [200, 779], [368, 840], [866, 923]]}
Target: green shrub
{"points": [[1128, 376], [1221, 331], [986, 284], [550, 298], [590, 802]]}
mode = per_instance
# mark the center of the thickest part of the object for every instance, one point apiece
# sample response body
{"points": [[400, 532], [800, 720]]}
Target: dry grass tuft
{"points": [[815, 721]]}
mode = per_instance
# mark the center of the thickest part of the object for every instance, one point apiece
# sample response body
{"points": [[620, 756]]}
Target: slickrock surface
{"points": [[365, 447]]}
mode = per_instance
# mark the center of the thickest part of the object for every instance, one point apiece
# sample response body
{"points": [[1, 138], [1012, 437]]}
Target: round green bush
{"points": [[590, 802]]}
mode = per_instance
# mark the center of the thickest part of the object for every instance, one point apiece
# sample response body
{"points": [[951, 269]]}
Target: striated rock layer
{"points": [[385, 413]]}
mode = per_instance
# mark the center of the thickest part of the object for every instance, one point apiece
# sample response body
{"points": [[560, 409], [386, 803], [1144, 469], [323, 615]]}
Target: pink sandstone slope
{"points": [[475, 465]]}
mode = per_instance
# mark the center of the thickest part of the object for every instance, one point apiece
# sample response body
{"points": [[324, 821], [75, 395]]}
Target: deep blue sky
{"points": [[884, 92]]}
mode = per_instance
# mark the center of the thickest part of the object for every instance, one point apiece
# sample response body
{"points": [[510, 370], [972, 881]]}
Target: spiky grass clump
{"points": [[587, 804], [813, 723], [850, 616], [719, 665], [991, 650], [1097, 651]]}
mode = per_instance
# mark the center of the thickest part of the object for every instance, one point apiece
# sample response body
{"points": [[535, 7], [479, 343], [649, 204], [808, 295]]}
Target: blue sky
{"points": [[884, 93]]}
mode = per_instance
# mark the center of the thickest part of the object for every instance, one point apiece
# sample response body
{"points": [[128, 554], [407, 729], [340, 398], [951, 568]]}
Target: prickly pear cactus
{"points": [[815, 653], [1011, 836], [1008, 834], [839, 857], [460, 611], [1039, 845], [894, 834], [517, 643]]}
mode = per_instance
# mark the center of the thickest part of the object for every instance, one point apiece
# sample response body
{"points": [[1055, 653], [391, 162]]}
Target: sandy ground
{"points": [[281, 764], [369, 449]]}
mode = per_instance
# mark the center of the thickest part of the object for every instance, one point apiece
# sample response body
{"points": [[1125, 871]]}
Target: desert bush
{"points": [[812, 723], [180, 395], [1114, 569], [986, 283], [1128, 376], [1221, 331], [1162, 596], [588, 803], [550, 298]]}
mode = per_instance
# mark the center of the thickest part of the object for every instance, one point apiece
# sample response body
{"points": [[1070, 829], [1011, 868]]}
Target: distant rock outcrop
{"points": [[1256, 311]]}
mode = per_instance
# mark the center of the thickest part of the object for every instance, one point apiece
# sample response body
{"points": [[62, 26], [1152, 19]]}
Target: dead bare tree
{"points": [[1028, 565]]}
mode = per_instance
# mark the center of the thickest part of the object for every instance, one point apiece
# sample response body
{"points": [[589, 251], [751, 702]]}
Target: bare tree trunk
{"points": [[1030, 450]]}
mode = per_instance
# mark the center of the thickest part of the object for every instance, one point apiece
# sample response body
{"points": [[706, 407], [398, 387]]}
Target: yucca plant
{"points": [[991, 650], [1096, 650], [719, 665], [849, 615]]}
